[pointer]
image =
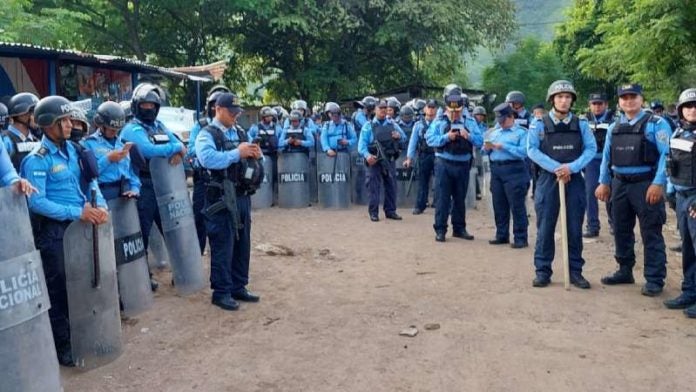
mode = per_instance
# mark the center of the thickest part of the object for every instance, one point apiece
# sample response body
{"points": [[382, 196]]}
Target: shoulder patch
{"points": [[42, 152], [662, 137]]}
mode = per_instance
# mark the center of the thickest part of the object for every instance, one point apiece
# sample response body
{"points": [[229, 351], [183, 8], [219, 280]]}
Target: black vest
{"points": [[20, 149], [458, 146], [382, 134], [599, 129], [247, 174], [523, 121], [682, 158], [630, 147], [296, 133], [423, 147], [562, 142], [268, 140]]}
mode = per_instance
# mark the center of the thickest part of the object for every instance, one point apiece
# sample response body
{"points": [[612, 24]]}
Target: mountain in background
{"points": [[535, 18]]}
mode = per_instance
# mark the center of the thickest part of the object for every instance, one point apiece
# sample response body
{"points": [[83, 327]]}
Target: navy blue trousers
{"points": [[509, 185], [200, 179], [547, 206], [378, 178], [687, 228], [591, 172], [230, 249], [426, 169], [452, 183]]}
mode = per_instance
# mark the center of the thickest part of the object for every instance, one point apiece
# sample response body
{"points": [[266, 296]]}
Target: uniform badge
{"points": [[58, 168], [662, 137]]}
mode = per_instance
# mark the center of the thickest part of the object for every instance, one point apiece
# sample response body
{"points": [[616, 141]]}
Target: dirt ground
{"points": [[330, 317]]}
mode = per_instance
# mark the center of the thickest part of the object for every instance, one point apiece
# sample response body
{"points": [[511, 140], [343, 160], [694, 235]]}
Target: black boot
{"points": [[624, 275]]}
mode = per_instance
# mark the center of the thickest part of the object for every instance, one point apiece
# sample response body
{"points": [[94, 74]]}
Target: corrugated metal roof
{"points": [[16, 49]]}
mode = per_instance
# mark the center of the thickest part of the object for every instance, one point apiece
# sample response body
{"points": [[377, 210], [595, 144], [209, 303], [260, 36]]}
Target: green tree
{"points": [[531, 68]]}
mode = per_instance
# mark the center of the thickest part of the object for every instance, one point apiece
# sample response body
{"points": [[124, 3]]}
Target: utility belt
{"points": [[201, 174], [507, 162], [635, 178], [453, 162]]}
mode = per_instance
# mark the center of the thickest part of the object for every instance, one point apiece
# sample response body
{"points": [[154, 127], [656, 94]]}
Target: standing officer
{"points": [[683, 177], [266, 132], [599, 119], [562, 145], [153, 140], [538, 111], [116, 175], [379, 144], [425, 155], [658, 109], [221, 148], [516, 100], [365, 111], [507, 145], [63, 185], [306, 122], [636, 151], [296, 136], [454, 137], [19, 139], [337, 134], [479, 114], [393, 108], [80, 125], [200, 175]]}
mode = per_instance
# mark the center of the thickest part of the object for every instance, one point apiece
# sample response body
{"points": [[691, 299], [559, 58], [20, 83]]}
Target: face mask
{"points": [[147, 115], [76, 134]]}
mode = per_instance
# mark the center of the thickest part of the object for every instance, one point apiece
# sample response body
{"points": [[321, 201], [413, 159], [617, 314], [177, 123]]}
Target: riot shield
{"points": [[293, 180], [95, 322], [157, 255], [313, 181], [263, 198], [334, 180], [28, 359], [131, 265], [405, 196], [176, 213], [470, 201], [359, 194]]}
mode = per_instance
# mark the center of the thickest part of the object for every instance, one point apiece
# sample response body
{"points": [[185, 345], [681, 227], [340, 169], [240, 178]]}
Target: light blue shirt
{"points": [[366, 136], [437, 136], [307, 123], [536, 134], [360, 119], [56, 176], [9, 146], [254, 130], [139, 133], [514, 141], [111, 171], [655, 132], [417, 134], [332, 133], [209, 156], [191, 152], [308, 141], [8, 174]]}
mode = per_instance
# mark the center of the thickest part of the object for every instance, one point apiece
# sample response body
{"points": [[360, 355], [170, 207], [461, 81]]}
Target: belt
{"points": [[110, 184], [687, 193], [507, 162], [633, 178], [454, 163]]}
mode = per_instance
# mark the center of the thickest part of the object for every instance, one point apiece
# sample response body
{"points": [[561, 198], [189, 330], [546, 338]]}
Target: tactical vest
{"points": [[20, 149], [423, 147], [268, 140], [203, 122], [630, 147], [458, 146], [408, 129], [344, 134], [524, 120], [682, 158], [382, 134], [298, 134], [562, 142], [247, 174], [599, 129]]}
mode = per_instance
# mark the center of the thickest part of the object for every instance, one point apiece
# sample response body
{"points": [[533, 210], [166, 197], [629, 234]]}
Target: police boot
{"points": [[624, 275], [690, 312], [683, 301]]}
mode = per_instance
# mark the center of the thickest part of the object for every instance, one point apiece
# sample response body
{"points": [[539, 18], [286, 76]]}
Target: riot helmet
{"points": [[218, 88], [51, 109], [479, 110], [560, 86], [4, 116], [296, 115], [266, 111], [407, 114], [110, 114], [332, 107], [657, 105], [369, 102], [146, 93], [515, 97], [22, 103], [687, 96], [210, 102], [300, 105], [448, 90]]}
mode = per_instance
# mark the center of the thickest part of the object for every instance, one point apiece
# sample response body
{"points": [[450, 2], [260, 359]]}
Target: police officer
{"points": [[379, 144], [4, 118], [507, 145], [80, 125], [418, 149], [635, 151], [117, 178], [393, 108], [63, 185], [479, 114], [538, 111], [153, 140], [407, 121], [19, 139], [306, 122], [365, 111], [454, 137], [221, 148], [266, 131], [337, 134], [516, 100], [599, 118], [200, 175], [683, 177], [296, 137], [562, 145], [658, 109]]}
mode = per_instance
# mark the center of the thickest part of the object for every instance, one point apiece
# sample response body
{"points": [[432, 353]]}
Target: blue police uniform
{"points": [[599, 126], [115, 178], [418, 149], [200, 178], [383, 172], [636, 152], [229, 248], [332, 133], [452, 166], [523, 118], [359, 120], [305, 134], [146, 137], [550, 143], [306, 123], [8, 174], [267, 134], [509, 183], [17, 145], [59, 200], [683, 180]]}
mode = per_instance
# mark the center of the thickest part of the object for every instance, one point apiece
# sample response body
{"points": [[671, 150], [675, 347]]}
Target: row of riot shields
{"points": [[105, 271]]}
